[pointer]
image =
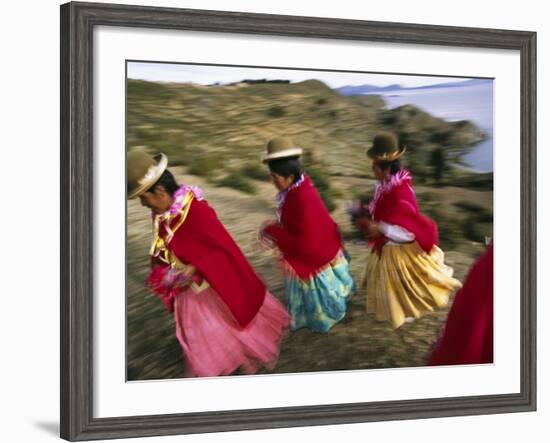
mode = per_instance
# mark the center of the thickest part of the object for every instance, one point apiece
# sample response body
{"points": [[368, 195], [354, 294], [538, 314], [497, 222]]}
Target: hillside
{"points": [[227, 126]]}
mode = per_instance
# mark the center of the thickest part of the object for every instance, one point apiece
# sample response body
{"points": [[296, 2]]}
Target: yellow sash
{"points": [[159, 245]]}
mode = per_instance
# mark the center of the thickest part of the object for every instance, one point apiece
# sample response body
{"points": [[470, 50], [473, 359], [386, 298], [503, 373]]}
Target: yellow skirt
{"points": [[405, 281]]}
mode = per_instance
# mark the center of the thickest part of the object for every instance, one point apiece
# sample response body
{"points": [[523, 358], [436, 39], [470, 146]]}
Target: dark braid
{"points": [[168, 181], [394, 166], [286, 167]]}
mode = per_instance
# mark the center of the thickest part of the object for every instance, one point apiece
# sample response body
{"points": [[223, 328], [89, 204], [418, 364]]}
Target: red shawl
{"points": [[468, 336], [307, 236], [396, 204], [203, 242]]}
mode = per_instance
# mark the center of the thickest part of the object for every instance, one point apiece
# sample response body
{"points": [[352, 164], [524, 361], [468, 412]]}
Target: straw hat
{"points": [[281, 147], [385, 147], [143, 171]]}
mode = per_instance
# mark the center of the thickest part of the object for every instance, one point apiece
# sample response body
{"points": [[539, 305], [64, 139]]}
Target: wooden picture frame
{"points": [[77, 23]]}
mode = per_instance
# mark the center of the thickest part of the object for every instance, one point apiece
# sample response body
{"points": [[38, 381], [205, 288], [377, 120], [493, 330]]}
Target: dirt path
{"points": [[358, 342]]}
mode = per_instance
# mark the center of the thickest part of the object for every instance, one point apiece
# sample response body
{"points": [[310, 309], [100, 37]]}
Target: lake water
{"points": [[471, 102]]}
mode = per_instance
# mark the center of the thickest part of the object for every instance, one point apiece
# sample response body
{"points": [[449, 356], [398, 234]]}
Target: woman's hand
{"points": [[374, 230], [369, 227], [189, 271], [184, 276], [264, 239], [263, 228]]}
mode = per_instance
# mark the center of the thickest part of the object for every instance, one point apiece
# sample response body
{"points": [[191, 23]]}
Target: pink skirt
{"points": [[215, 344]]}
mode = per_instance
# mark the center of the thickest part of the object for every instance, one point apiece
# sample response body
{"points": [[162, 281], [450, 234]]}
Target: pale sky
{"points": [[204, 75]]}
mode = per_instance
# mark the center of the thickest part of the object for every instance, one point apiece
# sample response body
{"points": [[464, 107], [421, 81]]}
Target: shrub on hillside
{"points": [[205, 164], [321, 181], [255, 170], [235, 180], [276, 111]]}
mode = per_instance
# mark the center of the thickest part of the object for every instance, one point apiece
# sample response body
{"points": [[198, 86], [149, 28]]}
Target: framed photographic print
{"points": [[273, 221]]}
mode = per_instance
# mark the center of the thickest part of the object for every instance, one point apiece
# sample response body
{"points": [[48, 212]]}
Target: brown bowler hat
{"points": [[385, 147], [281, 147], [143, 171]]}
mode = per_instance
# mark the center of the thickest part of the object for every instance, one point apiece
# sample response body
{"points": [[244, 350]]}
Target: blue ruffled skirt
{"points": [[320, 302]]}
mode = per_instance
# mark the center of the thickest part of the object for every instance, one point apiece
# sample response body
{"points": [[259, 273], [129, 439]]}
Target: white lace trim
{"points": [[281, 196]]}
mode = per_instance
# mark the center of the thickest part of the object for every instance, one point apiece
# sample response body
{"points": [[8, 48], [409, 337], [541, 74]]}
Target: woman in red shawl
{"points": [[405, 275], [225, 317], [317, 277], [468, 335]]}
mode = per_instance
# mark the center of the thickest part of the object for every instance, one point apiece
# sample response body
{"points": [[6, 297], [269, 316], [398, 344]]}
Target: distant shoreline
{"points": [[471, 101]]}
